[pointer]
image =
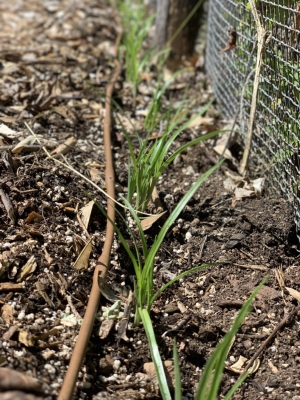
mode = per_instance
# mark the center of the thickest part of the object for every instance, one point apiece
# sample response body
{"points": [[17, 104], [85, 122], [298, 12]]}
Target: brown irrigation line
{"points": [[102, 266]]}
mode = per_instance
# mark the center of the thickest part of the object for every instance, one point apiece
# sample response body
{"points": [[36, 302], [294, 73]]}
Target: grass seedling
{"points": [[210, 380], [143, 262], [153, 158], [136, 25]]}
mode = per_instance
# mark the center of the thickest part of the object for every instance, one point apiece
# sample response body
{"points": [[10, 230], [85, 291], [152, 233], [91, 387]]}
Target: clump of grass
{"points": [[136, 25], [210, 380], [144, 261], [152, 158]]}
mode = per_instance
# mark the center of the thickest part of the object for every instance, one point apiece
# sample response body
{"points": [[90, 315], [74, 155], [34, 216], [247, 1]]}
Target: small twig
{"points": [[270, 337], [181, 324], [25, 149], [250, 266], [202, 246]]}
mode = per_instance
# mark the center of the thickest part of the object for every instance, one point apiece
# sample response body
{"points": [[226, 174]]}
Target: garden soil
{"points": [[56, 58]]}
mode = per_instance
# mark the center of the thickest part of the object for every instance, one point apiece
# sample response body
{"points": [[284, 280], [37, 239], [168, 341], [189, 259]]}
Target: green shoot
{"points": [[136, 27], [144, 263], [159, 368], [210, 379], [153, 158], [178, 388]]}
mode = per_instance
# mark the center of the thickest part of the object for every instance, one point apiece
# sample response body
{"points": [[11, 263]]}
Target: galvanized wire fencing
{"points": [[277, 126]]}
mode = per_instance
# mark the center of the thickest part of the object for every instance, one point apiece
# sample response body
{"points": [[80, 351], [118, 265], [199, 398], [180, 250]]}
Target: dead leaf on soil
{"points": [[96, 174], [11, 134], [65, 147], [26, 338], [244, 187], [237, 367], [294, 293], [48, 258], [65, 112], [205, 123], [226, 154], [7, 313], [85, 213], [29, 140], [42, 292], [106, 327], [82, 261], [149, 221], [34, 217], [149, 368], [241, 193], [8, 206], [27, 269], [13, 380]]}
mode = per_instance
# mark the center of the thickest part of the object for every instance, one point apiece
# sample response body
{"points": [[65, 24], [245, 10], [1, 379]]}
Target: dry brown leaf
{"points": [[96, 174], [149, 221], [65, 112], [106, 327], [226, 154], [65, 147], [42, 292], [241, 193], [8, 206], [273, 368], [26, 338], [13, 380], [206, 123], [27, 269], [45, 335], [237, 368], [48, 258], [5, 130], [85, 213], [149, 368], [294, 293], [82, 261], [29, 140], [34, 217], [7, 313]]}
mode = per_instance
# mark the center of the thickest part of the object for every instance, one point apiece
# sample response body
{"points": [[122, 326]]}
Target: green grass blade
{"points": [[182, 275], [137, 267], [160, 372], [236, 386], [192, 143], [178, 388], [173, 216], [210, 379]]}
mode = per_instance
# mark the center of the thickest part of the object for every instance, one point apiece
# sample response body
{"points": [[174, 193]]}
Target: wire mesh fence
{"points": [[231, 64]]}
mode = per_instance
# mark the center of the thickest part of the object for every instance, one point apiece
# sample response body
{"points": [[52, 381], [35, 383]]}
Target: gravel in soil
{"points": [[55, 62]]}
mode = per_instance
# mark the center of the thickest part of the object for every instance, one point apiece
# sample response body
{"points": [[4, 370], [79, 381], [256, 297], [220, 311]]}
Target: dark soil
{"points": [[56, 59]]}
